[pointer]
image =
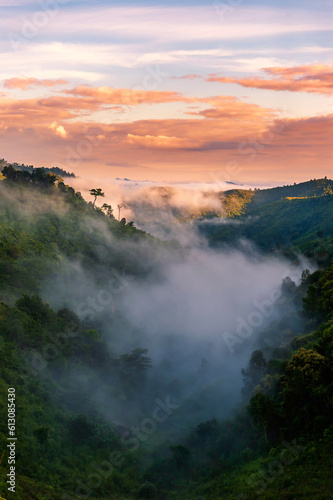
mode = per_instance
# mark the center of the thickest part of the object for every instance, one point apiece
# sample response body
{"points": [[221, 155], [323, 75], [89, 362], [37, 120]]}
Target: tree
{"points": [[180, 456], [132, 368], [147, 490], [207, 431], [120, 207], [319, 298], [264, 411], [306, 398], [40, 177], [254, 372], [136, 361], [96, 192], [10, 173], [42, 434], [59, 179], [108, 210], [328, 191], [34, 307], [80, 429]]}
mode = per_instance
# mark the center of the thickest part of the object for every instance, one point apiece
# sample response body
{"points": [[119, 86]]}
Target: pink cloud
{"points": [[132, 97], [24, 83], [186, 77], [315, 79], [228, 130]]}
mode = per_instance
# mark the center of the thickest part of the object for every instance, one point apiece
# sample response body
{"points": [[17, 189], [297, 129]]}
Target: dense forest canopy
{"points": [[100, 411]]}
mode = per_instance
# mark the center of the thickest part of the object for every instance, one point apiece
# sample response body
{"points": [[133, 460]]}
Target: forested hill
{"points": [[82, 399], [243, 201], [77, 255], [45, 225], [291, 218], [31, 169]]}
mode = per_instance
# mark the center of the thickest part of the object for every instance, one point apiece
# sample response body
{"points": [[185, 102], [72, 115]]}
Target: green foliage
{"points": [[235, 202], [254, 373], [319, 298], [147, 490], [64, 372], [274, 220], [135, 362]]}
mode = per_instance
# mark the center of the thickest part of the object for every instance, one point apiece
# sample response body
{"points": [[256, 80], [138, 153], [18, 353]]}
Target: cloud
{"points": [[124, 164], [170, 23], [224, 130], [109, 95], [58, 129], [77, 102], [24, 83], [159, 141], [228, 107], [186, 77], [315, 79]]}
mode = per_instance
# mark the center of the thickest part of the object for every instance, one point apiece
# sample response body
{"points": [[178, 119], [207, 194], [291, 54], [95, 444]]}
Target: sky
{"points": [[205, 92]]}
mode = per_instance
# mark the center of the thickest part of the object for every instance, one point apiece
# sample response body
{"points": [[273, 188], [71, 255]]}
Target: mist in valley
{"points": [[198, 312], [167, 323]]}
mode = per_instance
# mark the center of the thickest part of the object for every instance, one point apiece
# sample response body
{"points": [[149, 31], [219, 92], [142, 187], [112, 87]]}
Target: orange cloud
{"points": [[160, 141], [109, 95], [24, 83], [315, 79], [186, 77], [228, 130], [58, 129], [228, 107], [36, 112]]}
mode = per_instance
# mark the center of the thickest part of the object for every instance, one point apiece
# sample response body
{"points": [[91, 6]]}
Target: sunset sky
{"points": [[170, 91]]}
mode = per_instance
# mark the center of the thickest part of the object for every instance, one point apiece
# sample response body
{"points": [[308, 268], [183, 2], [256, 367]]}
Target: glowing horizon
{"points": [[169, 93]]}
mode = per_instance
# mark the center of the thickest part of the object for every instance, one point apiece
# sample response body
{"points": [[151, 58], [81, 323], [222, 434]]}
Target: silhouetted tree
{"points": [[96, 192], [108, 210]]}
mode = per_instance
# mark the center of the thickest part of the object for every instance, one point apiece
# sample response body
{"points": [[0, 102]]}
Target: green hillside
{"points": [[49, 234], [279, 443], [31, 169], [75, 386], [292, 224], [238, 202]]}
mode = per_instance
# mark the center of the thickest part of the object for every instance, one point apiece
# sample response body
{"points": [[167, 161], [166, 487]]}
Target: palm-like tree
{"points": [[96, 192]]}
